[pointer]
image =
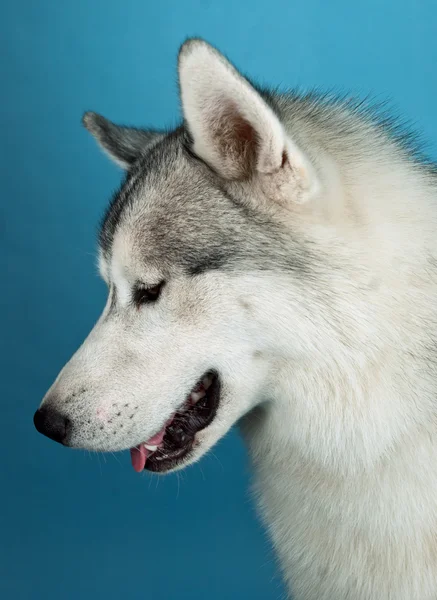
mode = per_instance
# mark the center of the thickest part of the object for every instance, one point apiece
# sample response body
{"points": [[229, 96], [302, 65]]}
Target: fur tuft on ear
{"points": [[233, 129], [124, 145]]}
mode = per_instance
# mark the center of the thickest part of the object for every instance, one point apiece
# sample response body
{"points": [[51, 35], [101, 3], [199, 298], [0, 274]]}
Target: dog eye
{"points": [[147, 295]]}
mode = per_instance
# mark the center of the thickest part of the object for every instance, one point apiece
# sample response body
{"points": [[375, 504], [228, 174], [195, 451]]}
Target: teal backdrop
{"points": [[76, 526]]}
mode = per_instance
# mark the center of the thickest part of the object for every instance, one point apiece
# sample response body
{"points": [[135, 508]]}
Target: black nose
{"points": [[52, 424]]}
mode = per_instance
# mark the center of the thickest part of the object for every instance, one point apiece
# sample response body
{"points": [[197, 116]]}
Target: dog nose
{"points": [[52, 424]]}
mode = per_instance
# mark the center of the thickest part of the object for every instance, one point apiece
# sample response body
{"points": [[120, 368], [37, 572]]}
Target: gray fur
{"points": [[196, 224], [123, 144]]}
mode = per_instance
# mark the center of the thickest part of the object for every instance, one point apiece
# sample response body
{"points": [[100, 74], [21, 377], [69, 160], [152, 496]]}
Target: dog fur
{"points": [[296, 236]]}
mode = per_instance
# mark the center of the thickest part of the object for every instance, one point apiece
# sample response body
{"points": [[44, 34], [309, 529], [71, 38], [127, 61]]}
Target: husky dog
{"points": [[273, 262]]}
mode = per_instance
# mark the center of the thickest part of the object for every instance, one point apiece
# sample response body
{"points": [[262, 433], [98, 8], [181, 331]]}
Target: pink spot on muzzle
{"points": [[102, 414]]}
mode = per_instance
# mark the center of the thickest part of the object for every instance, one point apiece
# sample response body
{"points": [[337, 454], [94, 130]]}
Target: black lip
{"points": [[179, 438]]}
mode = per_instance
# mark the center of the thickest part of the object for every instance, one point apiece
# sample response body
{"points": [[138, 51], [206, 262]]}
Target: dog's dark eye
{"points": [[147, 295]]}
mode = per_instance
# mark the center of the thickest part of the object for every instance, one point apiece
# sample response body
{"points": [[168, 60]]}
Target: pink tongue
{"points": [[139, 456]]}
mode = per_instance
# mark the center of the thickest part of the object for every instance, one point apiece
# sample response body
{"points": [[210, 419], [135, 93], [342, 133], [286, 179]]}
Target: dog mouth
{"points": [[175, 441]]}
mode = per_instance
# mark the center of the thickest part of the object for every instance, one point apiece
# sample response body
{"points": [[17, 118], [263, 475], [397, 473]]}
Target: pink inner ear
{"points": [[237, 142], [244, 132]]}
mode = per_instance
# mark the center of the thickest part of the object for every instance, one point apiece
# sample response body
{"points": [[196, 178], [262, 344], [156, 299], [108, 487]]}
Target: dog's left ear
{"points": [[124, 145], [233, 128]]}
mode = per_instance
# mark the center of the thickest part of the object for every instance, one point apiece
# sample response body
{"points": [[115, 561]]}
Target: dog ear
{"points": [[233, 128], [123, 144]]}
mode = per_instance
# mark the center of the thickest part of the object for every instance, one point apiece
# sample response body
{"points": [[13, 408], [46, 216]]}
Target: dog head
{"points": [[188, 249]]}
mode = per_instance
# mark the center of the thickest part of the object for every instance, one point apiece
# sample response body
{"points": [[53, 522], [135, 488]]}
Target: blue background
{"points": [[75, 525]]}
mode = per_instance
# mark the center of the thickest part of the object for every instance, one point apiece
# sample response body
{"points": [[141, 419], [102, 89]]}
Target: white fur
{"points": [[334, 376]]}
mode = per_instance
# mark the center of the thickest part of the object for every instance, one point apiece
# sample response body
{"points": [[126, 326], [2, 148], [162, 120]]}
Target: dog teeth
{"points": [[196, 396], [207, 380], [150, 447]]}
